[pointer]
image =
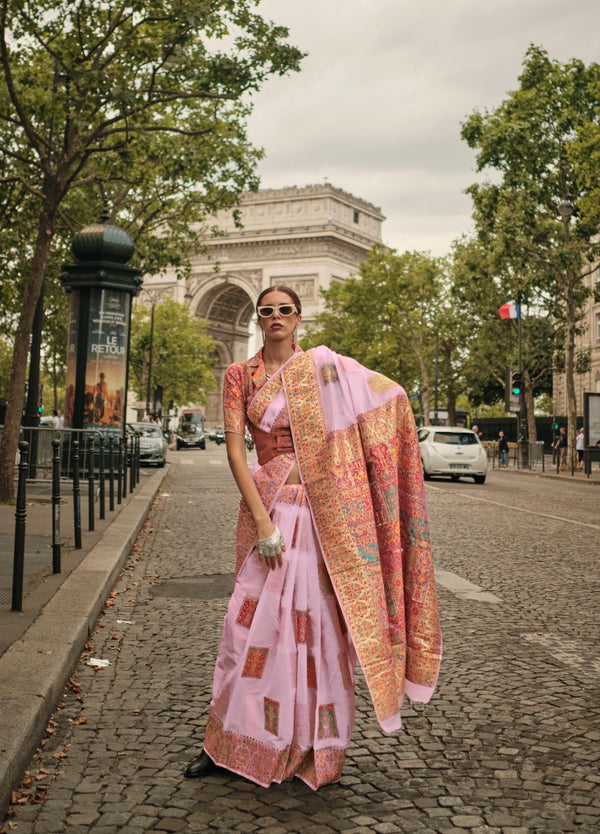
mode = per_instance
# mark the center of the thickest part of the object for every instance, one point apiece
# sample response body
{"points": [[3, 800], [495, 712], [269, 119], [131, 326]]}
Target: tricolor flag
{"points": [[510, 310]]}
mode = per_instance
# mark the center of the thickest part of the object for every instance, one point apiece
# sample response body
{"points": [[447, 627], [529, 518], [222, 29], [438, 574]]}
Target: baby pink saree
{"points": [[357, 578]]}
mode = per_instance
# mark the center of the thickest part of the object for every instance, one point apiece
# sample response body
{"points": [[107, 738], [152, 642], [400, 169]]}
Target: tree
{"points": [[526, 142], [143, 100], [387, 316], [493, 344], [180, 354]]}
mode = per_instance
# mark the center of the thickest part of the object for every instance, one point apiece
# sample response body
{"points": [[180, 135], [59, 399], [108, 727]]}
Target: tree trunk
{"points": [[425, 386], [570, 376], [16, 385], [529, 407]]}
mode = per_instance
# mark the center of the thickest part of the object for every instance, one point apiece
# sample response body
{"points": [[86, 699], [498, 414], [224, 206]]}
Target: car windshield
{"points": [[455, 438], [147, 430], [192, 417]]}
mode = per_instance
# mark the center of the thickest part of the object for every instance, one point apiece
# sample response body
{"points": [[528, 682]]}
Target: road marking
{"points": [[217, 462], [567, 651], [463, 588], [519, 509]]}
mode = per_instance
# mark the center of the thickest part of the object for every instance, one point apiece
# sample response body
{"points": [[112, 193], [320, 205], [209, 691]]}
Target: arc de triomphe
{"points": [[306, 238]]}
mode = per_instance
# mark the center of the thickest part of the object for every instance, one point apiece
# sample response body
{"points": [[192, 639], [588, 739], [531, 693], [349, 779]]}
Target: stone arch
{"points": [[226, 303]]}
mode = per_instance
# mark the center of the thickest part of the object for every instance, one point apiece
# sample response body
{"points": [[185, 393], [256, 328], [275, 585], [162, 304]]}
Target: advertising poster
{"points": [[106, 365], [592, 418], [71, 360]]}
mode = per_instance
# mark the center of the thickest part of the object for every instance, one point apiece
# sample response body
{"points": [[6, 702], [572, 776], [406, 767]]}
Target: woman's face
{"points": [[278, 328]]}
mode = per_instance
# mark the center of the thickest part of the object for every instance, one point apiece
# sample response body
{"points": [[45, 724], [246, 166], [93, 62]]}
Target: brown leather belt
{"points": [[269, 444]]}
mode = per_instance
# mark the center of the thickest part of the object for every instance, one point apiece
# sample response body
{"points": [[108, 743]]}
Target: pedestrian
{"points": [[503, 449], [579, 441], [475, 429], [561, 446], [54, 420], [333, 560]]}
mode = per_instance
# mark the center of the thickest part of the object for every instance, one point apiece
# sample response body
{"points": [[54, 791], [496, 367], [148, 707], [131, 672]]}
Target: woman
{"points": [[333, 560]]}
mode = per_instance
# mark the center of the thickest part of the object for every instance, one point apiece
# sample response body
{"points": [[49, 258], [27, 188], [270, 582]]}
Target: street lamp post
{"points": [[154, 295], [566, 209]]}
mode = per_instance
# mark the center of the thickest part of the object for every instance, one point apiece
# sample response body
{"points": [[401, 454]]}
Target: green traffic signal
{"points": [[516, 384]]}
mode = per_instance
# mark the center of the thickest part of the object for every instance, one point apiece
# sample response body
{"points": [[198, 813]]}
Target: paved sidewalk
{"points": [[42, 643], [506, 746]]}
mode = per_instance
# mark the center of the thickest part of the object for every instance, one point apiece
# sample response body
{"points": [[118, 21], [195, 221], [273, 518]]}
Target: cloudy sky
{"points": [[378, 105]]}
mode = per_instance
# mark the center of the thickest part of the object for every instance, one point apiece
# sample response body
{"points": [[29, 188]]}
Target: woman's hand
{"points": [[270, 549]]}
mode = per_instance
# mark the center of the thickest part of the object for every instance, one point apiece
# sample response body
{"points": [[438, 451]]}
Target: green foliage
{"points": [[181, 352], [394, 317]]}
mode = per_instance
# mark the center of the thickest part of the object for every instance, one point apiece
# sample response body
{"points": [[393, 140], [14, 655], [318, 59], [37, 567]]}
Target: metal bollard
{"points": [[56, 566], [131, 464], [119, 469], [90, 480], [76, 496], [20, 518], [102, 476], [111, 473], [125, 462]]}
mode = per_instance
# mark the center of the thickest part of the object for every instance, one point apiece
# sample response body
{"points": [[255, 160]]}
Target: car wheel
{"points": [[203, 445], [162, 463], [178, 444], [426, 475], [479, 479], [454, 477]]}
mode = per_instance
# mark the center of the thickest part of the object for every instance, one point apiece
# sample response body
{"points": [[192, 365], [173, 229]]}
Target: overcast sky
{"points": [[378, 105]]}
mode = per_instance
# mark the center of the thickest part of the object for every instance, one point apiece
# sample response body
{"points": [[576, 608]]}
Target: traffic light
{"points": [[516, 384], [513, 392]]}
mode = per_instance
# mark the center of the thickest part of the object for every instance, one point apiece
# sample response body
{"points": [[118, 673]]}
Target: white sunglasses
{"points": [[269, 310]]}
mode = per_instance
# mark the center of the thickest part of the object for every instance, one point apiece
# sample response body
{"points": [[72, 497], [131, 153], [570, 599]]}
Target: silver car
{"points": [[153, 443], [453, 451]]}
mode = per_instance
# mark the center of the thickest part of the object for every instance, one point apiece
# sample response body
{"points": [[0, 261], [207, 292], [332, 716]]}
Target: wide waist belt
{"points": [[269, 444]]}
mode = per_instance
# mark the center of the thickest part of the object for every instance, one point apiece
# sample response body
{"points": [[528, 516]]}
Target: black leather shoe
{"points": [[202, 766]]}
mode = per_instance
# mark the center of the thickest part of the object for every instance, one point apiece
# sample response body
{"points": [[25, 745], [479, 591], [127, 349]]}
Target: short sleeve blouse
{"points": [[234, 407]]}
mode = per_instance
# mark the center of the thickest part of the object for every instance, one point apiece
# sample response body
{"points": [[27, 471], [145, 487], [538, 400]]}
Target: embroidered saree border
{"points": [[264, 764]]}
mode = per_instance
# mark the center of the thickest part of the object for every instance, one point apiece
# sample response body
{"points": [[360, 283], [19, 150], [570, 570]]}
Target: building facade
{"points": [[587, 342], [306, 238]]}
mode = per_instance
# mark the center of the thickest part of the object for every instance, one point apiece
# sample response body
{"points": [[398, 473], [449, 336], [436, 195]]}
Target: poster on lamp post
{"points": [[106, 362]]}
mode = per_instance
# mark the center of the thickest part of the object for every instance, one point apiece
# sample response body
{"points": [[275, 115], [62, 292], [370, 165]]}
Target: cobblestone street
{"points": [[510, 742]]}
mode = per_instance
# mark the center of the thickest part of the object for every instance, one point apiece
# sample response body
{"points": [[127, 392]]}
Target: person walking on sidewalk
{"points": [[561, 446], [503, 449], [333, 560], [579, 445]]}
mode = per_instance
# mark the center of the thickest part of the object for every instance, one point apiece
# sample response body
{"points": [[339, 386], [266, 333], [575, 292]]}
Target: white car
{"points": [[453, 451]]}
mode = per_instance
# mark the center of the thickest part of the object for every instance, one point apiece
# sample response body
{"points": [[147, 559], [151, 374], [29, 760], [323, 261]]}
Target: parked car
{"points": [[453, 451], [153, 443], [190, 431]]}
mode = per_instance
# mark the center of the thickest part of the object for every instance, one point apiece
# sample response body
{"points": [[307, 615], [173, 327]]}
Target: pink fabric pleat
{"points": [[283, 690]]}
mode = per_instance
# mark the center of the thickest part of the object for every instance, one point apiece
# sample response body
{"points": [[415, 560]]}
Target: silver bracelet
{"points": [[271, 546]]}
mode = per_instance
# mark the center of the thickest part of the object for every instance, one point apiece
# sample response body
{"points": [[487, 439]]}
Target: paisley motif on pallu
{"points": [[327, 722], [368, 503], [271, 716]]}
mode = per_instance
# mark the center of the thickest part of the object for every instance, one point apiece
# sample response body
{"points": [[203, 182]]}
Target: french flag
{"points": [[510, 310]]}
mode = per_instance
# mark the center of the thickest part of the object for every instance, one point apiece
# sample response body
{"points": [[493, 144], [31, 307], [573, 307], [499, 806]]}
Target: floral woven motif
{"points": [[329, 373], [271, 716], [301, 626], [327, 722], [311, 672], [247, 610], [255, 662]]}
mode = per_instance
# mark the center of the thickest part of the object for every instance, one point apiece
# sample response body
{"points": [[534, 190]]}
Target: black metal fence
{"points": [[72, 456]]}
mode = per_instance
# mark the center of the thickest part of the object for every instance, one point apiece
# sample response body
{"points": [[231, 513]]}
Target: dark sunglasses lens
{"points": [[265, 312], [287, 309]]}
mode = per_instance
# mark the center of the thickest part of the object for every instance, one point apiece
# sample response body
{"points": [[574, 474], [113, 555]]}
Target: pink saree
{"points": [[357, 578]]}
